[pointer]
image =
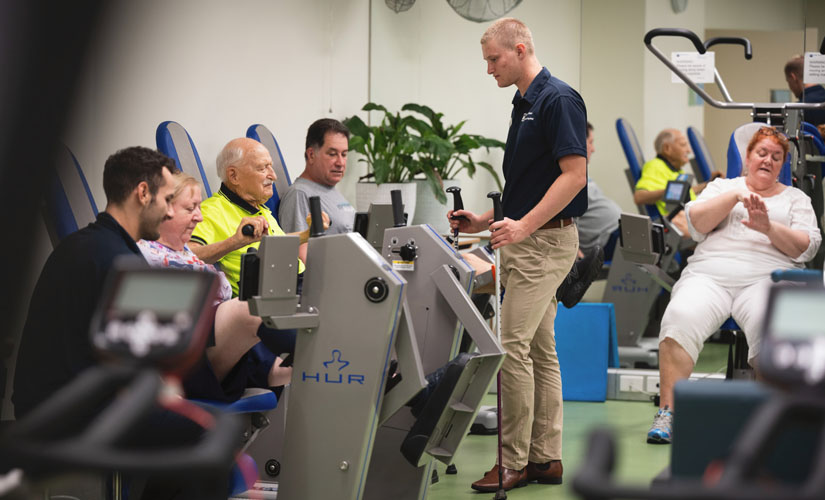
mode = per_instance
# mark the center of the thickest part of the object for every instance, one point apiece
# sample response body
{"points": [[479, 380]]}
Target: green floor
{"points": [[637, 462]]}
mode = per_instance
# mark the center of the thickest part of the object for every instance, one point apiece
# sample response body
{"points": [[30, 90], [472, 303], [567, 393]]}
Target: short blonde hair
{"points": [[509, 32], [183, 181]]}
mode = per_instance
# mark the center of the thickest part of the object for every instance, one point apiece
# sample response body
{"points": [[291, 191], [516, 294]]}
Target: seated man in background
{"points": [[602, 215], [595, 227], [245, 169], [811, 92], [326, 149], [55, 345], [672, 154]]}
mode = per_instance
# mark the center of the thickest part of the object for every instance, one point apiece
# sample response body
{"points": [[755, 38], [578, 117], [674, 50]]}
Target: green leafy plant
{"points": [[445, 151], [388, 148], [403, 147]]}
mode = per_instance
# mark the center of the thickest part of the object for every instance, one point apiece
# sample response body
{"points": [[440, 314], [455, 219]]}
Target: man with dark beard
{"points": [[55, 345]]}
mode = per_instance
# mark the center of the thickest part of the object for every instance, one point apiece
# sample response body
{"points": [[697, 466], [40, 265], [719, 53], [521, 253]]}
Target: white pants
{"points": [[699, 305]]}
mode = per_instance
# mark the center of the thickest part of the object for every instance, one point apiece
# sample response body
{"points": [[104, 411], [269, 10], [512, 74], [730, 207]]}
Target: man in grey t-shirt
{"points": [[327, 143], [602, 215]]}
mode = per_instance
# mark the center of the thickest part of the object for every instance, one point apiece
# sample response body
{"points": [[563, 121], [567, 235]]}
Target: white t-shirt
{"points": [[740, 256]]}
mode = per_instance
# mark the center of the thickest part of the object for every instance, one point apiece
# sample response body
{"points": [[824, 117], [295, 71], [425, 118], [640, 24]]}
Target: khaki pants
{"points": [[531, 417]]}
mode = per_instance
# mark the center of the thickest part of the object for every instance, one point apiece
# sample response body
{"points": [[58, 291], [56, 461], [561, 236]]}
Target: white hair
{"points": [[229, 155]]}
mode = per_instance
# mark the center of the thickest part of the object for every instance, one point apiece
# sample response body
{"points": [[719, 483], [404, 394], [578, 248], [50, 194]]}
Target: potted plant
{"points": [[403, 149], [389, 150], [443, 153]]}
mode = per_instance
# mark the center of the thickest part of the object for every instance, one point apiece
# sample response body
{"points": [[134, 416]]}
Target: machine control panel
{"points": [[154, 316], [793, 344]]}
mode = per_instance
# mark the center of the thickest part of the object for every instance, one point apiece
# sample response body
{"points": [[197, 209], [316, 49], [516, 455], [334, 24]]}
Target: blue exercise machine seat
{"points": [[737, 151], [69, 204], [282, 182], [701, 153], [635, 160], [175, 142]]}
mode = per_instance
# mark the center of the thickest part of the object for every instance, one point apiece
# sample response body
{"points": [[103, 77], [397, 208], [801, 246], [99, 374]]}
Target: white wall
{"points": [[767, 15], [612, 63], [430, 55], [217, 67], [666, 103]]}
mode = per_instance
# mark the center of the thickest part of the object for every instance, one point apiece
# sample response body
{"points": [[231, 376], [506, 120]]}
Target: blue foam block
{"points": [[586, 345]]}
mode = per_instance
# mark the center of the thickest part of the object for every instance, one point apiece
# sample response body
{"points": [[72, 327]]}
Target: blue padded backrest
{"points": [[282, 182], [631, 147], [69, 204], [633, 153], [700, 151], [737, 150], [175, 142]]}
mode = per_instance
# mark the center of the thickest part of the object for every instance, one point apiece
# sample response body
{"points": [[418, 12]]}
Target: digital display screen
{"points": [[165, 293], [674, 191], [797, 314]]}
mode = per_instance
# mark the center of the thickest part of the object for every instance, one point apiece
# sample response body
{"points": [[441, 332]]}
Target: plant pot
{"points": [[370, 192], [428, 210]]}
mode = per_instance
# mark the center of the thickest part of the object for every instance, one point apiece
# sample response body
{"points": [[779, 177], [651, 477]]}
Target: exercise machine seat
{"points": [[253, 400], [701, 153], [737, 151], [69, 204], [635, 159], [810, 129], [282, 181], [175, 142]]}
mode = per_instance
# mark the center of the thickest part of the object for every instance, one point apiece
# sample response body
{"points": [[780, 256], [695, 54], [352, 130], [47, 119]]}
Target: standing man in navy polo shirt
{"points": [[545, 171]]}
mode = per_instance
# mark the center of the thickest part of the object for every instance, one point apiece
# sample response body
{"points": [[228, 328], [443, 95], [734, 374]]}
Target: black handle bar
{"points": [[731, 40], [685, 33], [397, 208], [48, 438], [316, 217]]}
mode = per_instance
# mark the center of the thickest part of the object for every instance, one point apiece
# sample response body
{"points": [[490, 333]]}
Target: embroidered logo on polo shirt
{"points": [[527, 116]]}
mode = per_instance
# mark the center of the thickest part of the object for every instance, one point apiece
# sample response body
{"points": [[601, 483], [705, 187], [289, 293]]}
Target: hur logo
{"points": [[333, 372], [629, 285]]}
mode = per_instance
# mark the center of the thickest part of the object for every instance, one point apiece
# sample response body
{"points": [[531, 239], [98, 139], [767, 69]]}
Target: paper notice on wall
{"points": [[698, 67], [814, 68]]}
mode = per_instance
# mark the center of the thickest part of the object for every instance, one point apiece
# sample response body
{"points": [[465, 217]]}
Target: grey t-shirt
{"points": [[294, 208], [600, 219]]}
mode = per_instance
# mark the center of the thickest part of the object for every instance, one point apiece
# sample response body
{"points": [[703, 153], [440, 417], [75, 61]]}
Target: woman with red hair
{"points": [[746, 227]]}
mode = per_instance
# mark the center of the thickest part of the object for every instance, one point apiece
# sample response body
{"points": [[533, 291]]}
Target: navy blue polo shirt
{"points": [[814, 94], [55, 345], [548, 123]]}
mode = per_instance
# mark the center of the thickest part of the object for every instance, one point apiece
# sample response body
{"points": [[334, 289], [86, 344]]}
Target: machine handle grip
{"points": [[248, 230], [397, 208], [458, 203], [685, 33], [498, 214], [731, 40], [317, 222]]}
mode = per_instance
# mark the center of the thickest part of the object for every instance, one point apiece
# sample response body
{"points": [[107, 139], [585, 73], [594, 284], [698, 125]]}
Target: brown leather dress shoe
{"points": [[547, 473], [510, 479]]}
